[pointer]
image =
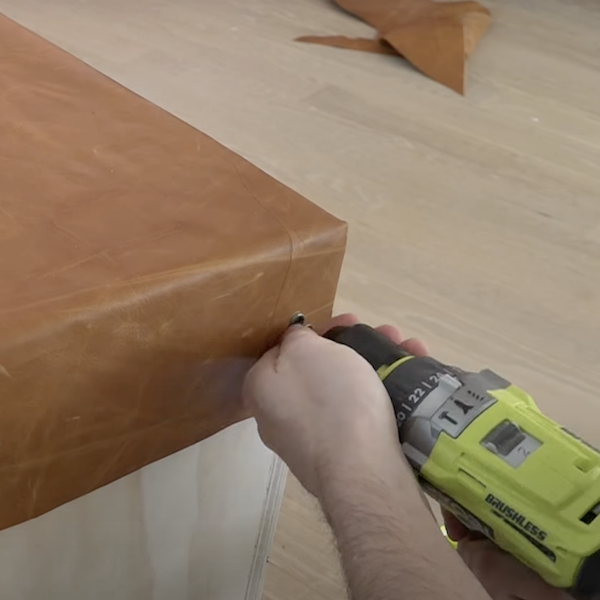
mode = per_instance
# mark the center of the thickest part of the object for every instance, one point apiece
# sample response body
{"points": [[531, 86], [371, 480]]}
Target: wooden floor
{"points": [[474, 221]]}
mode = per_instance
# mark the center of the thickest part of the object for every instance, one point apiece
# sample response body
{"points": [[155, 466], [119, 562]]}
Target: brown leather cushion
{"points": [[143, 267]]}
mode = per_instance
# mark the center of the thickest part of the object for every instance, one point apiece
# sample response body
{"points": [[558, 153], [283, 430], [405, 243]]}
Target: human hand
{"points": [[502, 575], [319, 405]]}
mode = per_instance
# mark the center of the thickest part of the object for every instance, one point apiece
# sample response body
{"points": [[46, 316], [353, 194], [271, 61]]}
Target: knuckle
{"points": [[296, 339], [254, 380], [250, 386]]}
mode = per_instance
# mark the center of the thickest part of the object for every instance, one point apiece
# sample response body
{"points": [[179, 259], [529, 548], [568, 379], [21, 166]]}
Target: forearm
{"points": [[390, 545]]}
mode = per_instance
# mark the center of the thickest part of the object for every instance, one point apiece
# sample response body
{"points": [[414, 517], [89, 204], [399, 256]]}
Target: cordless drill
{"points": [[482, 448]]}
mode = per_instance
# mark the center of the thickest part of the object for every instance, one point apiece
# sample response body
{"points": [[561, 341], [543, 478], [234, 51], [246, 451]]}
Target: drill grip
{"points": [[374, 347], [407, 382]]}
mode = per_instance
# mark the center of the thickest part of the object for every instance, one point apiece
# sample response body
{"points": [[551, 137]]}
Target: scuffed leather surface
{"points": [[435, 37], [143, 268]]}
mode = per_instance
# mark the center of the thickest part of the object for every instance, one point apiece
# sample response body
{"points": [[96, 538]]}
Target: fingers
{"points": [[348, 320], [293, 333], [415, 346], [456, 530], [411, 345], [391, 332], [504, 576], [482, 560], [344, 320], [265, 373], [254, 381]]}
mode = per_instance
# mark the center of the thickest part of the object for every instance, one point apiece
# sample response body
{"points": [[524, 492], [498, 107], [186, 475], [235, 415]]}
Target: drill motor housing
{"points": [[481, 447]]}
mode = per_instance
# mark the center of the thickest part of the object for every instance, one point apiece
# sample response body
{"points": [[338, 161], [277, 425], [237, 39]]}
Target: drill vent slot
{"points": [[584, 465], [591, 515]]}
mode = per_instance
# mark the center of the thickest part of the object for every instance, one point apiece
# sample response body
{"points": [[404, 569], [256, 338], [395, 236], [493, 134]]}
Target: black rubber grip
{"points": [[373, 346], [587, 586], [409, 383]]}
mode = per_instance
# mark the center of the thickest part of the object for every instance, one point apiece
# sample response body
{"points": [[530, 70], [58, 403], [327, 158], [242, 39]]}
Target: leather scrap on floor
{"points": [[377, 45], [435, 37]]}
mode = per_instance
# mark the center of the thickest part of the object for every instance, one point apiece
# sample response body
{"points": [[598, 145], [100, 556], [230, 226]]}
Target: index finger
{"points": [[350, 319], [344, 320], [456, 530], [412, 345]]}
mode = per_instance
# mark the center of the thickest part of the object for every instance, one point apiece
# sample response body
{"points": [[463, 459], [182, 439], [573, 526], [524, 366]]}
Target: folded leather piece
{"points": [[143, 268], [435, 37], [376, 46]]}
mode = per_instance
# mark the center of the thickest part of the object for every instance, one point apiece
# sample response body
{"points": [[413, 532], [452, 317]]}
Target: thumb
{"points": [[456, 530], [257, 379], [261, 377], [295, 333]]}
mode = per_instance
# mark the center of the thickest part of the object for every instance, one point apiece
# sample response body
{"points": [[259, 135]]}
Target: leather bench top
{"points": [[143, 268]]}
